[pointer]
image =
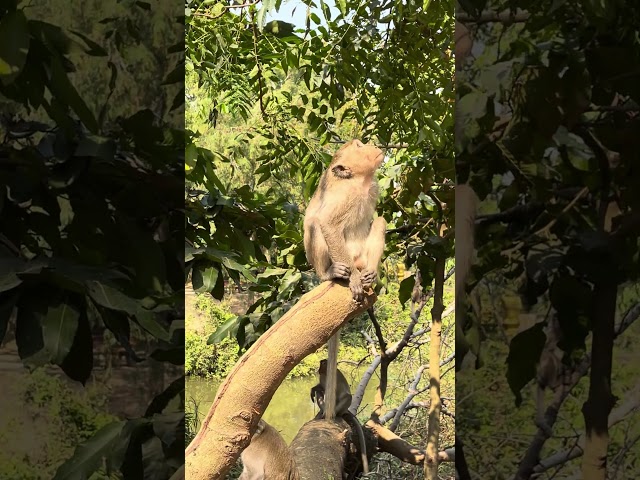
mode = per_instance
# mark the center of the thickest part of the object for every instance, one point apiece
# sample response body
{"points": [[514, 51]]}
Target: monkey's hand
{"points": [[338, 270], [368, 277], [317, 394]]}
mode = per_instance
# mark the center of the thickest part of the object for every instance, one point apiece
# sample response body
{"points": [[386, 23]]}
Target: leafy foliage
{"points": [[71, 416], [90, 213], [382, 72], [562, 123], [546, 113], [204, 359]]}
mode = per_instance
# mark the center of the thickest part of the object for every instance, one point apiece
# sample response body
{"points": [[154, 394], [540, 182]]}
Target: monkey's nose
{"points": [[358, 143]]}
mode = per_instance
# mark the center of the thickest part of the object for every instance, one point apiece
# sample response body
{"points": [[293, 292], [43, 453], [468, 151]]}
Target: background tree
{"points": [[547, 138], [267, 105], [90, 198]]}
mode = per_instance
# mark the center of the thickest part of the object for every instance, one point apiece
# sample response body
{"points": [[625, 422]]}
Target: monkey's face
{"points": [[323, 366], [356, 159]]}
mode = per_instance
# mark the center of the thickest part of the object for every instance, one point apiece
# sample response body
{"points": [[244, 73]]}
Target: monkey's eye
{"points": [[341, 171]]}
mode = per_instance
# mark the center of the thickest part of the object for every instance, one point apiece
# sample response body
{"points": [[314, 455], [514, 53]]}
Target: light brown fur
{"points": [[341, 238], [268, 457], [338, 227]]}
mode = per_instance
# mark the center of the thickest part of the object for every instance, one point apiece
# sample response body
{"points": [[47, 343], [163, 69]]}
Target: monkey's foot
{"points": [[368, 277], [356, 290], [339, 270]]}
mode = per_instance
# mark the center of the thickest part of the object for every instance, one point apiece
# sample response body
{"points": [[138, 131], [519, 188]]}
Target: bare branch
{"points": [[530, 459]]}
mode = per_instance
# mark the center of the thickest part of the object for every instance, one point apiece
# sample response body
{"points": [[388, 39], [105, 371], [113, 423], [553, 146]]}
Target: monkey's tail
{"points": [[332, 377], [363, 448], [352, 420]]}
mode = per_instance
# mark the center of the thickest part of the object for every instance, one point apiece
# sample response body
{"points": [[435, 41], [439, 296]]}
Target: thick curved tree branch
{"points": [[247, 391], [391, 443]]}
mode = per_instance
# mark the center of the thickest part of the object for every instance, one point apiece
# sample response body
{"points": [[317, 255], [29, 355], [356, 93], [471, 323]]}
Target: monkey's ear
{"points": [[341, 171]]}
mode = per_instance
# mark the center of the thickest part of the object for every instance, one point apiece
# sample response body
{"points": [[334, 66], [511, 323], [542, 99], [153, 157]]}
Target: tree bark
{"points": [[245, 394], [433, 433], [600, 402]]}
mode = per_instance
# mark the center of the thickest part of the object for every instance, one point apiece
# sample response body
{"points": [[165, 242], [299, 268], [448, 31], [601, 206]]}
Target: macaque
{"points": [[342, 402], [550, 372], [341, 239], [268, 457]]}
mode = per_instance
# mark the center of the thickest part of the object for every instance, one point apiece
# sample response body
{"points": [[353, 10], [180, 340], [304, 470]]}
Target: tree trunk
{"points": [[433, 426], [600, 402], [247, 391]]}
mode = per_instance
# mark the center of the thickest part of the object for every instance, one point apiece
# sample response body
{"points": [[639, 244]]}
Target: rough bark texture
{"points": [[319, 449], [246, 392], [600, 402], [324, 449], [391, 443], [435, 408]]}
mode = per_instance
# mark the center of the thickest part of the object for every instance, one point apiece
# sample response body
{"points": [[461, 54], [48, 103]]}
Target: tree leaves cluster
{"points": [[548, 137], [89, 217], [380, 71]]}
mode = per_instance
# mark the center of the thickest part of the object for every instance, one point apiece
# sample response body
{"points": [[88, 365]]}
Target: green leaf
{"points": [[96, 146], [406, 287], [29, 330], [63, 89], [78, 363], [160, 402], [94, 49], [14, 45], [246, 246], [315, 18], [147, 320], [270, 272], [167, 426], [231, 264], [87, 457], [111, 298], [204, 278], [524, 352], [59, 327], [288, 284], [191, 155], [472, 105], [226, 330], [342, 6]]}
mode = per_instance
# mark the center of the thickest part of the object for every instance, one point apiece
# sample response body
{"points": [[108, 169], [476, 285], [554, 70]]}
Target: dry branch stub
{"points": [[247, 391]]}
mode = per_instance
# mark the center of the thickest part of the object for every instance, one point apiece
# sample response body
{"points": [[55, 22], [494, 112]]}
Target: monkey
{"points": [[342, 402], [550, 372], [268, 457], [342, 241]]}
